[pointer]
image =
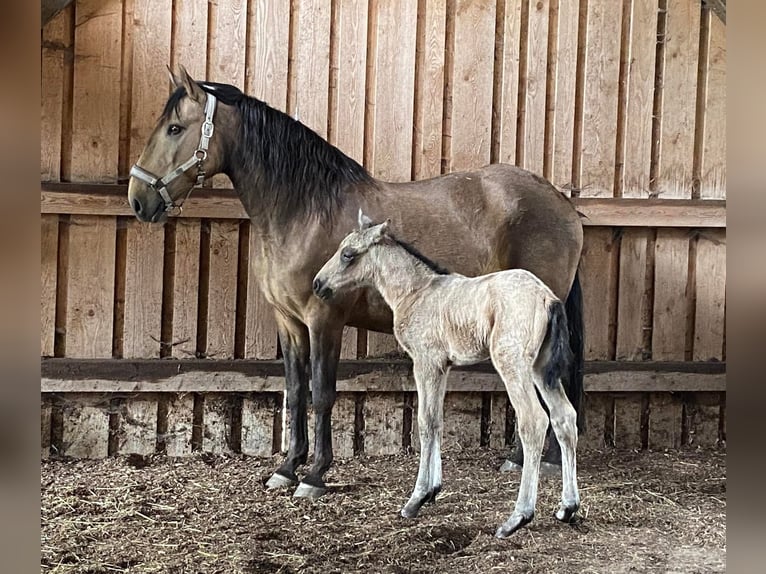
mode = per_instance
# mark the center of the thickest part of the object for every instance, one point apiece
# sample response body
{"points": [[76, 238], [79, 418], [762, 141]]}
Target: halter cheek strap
{"points": [[159, 184]]}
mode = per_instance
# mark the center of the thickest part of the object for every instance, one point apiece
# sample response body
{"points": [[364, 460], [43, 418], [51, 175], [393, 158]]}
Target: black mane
{"points": [[432, 265], [293, 170]]}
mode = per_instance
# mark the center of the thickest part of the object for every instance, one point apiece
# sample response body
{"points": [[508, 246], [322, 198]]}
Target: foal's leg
{"points": [[431, 385], [294, 339], [564, 422], [516, 373], [325, 353]]}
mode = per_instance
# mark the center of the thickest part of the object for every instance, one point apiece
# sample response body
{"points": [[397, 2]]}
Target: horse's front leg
{"points": [[294, 339], [431, 382], [325, 352]]}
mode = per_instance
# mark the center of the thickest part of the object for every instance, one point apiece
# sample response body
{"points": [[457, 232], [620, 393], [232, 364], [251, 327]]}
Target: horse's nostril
{"points": [[136, 206], [316, 286]]}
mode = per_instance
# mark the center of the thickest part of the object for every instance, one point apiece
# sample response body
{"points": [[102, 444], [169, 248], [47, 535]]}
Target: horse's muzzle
{"points": [[321, 290]]}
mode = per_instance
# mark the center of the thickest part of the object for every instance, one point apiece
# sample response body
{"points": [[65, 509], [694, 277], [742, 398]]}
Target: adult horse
{"points": [[302, 196]]}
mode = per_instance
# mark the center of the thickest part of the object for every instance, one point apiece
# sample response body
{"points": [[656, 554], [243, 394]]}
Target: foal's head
{"points": [[351, 267]]}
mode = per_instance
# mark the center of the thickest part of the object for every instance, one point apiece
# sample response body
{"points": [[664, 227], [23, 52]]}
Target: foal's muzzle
{"points": [[321, 290]]}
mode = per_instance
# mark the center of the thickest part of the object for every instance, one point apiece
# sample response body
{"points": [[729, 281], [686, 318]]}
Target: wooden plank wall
{"points": [[607, 99]]}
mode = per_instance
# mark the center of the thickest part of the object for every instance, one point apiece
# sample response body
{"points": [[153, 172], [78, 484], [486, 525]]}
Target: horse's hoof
{"points": [[567, 514], [280, 481], [510, 466], [309, 491], [550, 468], [511, 525], [410, 511]]}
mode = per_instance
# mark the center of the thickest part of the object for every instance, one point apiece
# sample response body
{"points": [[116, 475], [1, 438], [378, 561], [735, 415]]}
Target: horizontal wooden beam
{"points": [[197, 375], [106, 199]]}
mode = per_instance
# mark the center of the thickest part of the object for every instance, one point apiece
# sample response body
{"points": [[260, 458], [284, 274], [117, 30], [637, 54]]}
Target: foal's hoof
{"points": [[410, 511], [567, 514], [511, 525], [550, 468], [280, 481], [510, 466], [311, 491]]}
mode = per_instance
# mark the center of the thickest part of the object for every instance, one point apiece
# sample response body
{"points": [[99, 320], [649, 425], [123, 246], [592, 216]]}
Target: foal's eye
{"points": [[347, 256], [174, 129]]}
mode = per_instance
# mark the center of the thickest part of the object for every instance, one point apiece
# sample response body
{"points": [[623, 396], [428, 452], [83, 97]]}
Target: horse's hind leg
{"points": [[431, 385], [516, 373]]}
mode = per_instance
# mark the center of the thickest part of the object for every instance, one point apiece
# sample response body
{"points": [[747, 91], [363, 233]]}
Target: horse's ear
{"points": [[384, 226], [364, 221], [192, 88], [175, 81]]}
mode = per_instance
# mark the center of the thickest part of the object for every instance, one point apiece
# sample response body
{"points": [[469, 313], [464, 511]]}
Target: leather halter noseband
{"points": [[159, 184]]}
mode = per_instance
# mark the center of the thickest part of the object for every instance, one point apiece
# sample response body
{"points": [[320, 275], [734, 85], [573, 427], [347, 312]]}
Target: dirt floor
{"points": [[641, 512]]}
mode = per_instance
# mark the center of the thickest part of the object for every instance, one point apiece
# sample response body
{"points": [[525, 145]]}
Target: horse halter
{"points": [[159, 184]]}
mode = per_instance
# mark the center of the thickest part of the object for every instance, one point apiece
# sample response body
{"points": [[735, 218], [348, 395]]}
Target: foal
{"points": [[443, 319]]}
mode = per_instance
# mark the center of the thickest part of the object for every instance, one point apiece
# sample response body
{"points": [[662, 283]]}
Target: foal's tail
{"points": [[555, 348]]}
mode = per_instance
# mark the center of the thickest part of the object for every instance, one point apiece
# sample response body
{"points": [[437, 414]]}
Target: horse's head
{"points": [[180, 153], [349, 268]]}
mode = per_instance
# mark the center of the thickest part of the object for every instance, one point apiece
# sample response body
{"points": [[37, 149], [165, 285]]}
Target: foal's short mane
{"points": [[293, 169], [432, 265]]}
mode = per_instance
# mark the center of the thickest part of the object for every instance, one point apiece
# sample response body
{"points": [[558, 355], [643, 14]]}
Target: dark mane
{"points": [[294, 171], [432, 265]]}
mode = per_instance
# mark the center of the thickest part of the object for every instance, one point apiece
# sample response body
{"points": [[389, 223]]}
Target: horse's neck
{"points": [[399, 275]]}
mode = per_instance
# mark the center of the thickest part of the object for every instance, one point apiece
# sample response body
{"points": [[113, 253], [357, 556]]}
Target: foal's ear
{"points": [[175, 81], [192, 88], [364, 221]]}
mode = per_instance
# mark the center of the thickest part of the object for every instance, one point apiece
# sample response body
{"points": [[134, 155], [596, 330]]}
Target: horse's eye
{"points": [[347, 256], [174, 129]]}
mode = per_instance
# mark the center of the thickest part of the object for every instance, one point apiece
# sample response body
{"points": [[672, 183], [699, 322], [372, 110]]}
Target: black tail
{"points": [[557, 344], [574, 385]]}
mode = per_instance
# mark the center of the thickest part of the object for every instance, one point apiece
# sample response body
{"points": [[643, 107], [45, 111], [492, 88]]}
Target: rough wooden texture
{"points": [[637, 136], [343, 425], [267, 54], [462, 421], [49, 238], [46, 412], [627, 421], [96, 97], [599, 258], [90, 292], [258, 414], [601, 74], [632, 300], [180, 419], [222, 292], [665, 421], [383, 417], [85, 432], [260, 325], [598, 410], [137, 430], [498, 416], [671, 258], [713, 160], [505, 102], [143, 290], [56, 61], [536, 68], [185, 287], [190, 20], [710, 308], [217, 423], [703, 415]]}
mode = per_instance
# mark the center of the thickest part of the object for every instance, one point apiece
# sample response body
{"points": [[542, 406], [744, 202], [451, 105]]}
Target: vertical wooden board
{"points": [[90, 290], [258, 415], [85, 432], [598, 263], [343, 425], [185, 287], [49, 238], [429, 89], [189, 47], [217, 423], [462, 421], [96, 98], [601, 82], [222, 294], [671, 270], [267, 52], [349, 345], [498, 415], [642, 48], [597, 411], [505, 104], [260, 324], [46, 412], [628, 409], [535, 86], [56, 58], [143, 290], [632, 300], [565, 66], [180, 420], [152, 23], [665, 414], [310, 58], [709, 313], [124, 159], [713, 160], [679, 96], [703, 412], [383, 418], [471, 95], [137, 431]]}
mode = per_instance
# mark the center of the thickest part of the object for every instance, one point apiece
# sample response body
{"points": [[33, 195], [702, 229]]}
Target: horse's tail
{"points": [[574, 383], [555, 349]]}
